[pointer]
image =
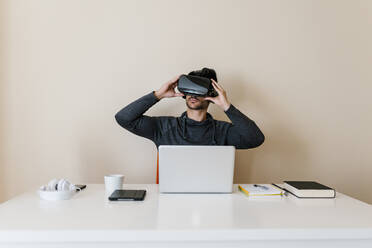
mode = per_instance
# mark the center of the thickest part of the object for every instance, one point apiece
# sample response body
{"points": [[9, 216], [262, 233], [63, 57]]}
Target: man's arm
{"points": [[131, 117], [243, 132]]}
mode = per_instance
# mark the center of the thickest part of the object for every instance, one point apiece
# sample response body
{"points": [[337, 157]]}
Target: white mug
{"points": [[113, 182]]}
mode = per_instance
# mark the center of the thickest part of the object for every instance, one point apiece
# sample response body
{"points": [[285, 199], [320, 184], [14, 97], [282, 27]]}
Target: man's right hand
{"points": [[167, 89]]}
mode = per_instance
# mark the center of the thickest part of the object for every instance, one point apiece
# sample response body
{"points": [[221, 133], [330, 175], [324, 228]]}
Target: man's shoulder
{"points": [[166, 120], [165, 123], [222, 124]]}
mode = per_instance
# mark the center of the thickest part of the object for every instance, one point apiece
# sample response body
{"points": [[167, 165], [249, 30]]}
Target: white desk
{"points": [[189, 220]]}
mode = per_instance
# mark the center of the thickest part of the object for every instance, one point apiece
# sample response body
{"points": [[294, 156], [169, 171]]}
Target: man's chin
{"points": [[196, 107]]}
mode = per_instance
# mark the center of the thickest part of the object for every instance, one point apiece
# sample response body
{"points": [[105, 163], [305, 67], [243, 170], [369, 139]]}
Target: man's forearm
{"points": [[126, 116], [245, 128], [157, 95]]}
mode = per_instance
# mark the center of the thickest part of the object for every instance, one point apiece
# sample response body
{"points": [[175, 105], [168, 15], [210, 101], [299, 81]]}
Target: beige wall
{"points": [[300, 69]]}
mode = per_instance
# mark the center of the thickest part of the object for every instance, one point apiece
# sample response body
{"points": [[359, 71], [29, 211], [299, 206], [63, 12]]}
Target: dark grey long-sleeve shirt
{"points": [[242, 133]]}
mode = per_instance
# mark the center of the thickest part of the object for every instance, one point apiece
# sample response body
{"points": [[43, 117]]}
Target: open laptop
{"points": [[196, 169]]}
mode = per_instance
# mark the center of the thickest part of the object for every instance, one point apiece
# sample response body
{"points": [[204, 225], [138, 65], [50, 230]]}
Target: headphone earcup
{"points": [[61, 184], [52, 185], [65, 185]]}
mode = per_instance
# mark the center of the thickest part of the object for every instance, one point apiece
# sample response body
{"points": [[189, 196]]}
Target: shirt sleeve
{"points": [[243, 133], [132, 117]]}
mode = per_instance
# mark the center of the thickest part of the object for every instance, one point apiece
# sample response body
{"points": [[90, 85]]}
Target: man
{"points": [[195, 126]]}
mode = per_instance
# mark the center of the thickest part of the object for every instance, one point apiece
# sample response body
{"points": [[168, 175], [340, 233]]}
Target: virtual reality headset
{"points": [[196, 86]]}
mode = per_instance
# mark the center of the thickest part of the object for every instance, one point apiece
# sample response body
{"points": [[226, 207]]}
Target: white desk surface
{"points": [[89, 216]]}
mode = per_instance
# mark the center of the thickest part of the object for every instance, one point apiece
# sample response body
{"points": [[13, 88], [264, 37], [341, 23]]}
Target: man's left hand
{"points": [[221, 99]]}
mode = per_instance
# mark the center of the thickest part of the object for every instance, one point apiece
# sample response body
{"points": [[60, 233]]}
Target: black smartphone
{"points": [[127, 195], [80, 186]]}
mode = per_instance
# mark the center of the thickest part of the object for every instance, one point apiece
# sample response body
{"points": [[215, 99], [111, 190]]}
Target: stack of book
{"points": [[300, 189]]}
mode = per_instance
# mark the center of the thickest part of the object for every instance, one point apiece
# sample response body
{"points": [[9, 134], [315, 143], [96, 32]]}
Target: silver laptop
{"points": [[196, 169]]}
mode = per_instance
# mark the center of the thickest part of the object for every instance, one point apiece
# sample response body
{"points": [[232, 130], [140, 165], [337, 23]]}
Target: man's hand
{"points": [[167, 89], [221, 99]]}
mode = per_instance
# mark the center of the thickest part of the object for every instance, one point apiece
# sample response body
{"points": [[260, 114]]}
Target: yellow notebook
{"points": [[260, 189]]}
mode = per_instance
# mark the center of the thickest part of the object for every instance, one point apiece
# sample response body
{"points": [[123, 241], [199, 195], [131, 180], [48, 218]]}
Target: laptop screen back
{"points": [[196, 169]]}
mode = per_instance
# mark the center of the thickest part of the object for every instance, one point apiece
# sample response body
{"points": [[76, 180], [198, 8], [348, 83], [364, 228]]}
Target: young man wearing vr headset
{"points": [[195, 126]]}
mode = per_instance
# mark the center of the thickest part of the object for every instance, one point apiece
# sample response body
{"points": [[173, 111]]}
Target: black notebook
{"points": [[309, 189]]}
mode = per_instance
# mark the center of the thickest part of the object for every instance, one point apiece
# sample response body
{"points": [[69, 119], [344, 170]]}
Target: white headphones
{"points": [[58, 189], [59, 185]]}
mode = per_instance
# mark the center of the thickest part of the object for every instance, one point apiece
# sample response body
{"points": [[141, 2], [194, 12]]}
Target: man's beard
{"points": [[202, 105]]}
